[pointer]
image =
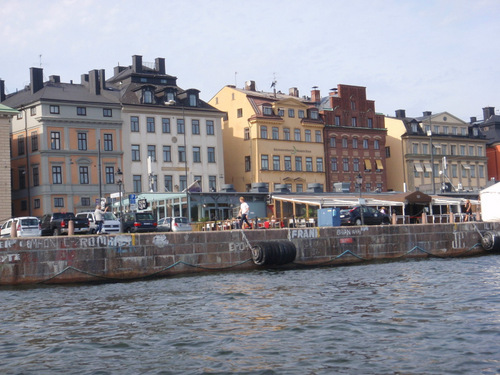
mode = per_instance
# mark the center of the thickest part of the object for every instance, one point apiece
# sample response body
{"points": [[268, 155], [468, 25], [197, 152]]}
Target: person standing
{"points": [[468, 210], [98, 216], [244, 211]]}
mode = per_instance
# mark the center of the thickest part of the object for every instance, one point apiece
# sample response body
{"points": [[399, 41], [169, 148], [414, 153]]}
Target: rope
{"points": [[244, 236]]}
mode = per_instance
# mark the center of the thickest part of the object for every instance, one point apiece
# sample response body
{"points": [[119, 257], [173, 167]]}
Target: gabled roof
{"points": [[7, 110]]}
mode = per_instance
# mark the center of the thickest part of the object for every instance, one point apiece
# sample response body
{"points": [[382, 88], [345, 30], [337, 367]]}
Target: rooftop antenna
{"points": [[40, 56], [273, 84], [235, 81]]}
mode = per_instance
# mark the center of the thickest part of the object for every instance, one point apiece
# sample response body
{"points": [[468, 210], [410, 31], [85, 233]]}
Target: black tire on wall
{"points": [[273, 253], [491, 241]]}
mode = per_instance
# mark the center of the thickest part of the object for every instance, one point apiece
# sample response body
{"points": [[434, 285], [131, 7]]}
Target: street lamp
{"points": [[119, 175], [429, 134], [359, 182]]}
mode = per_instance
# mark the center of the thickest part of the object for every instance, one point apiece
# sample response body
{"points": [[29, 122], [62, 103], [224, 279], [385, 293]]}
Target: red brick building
{"points": [[354, 137]]}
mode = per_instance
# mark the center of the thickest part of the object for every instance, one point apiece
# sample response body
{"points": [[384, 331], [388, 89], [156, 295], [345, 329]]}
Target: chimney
{"points": [[2, 90], [315, 95], [36, 79], [473, 120], [427, 113], [400, 113], [84, 79], [137, 64], [55, 79], [488, 112], [294, 91], [250, 85], [160, 65], [94, 87], [102, 79]]}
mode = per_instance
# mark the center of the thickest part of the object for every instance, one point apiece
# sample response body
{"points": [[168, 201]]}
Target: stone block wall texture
{"points": [[106, 258]]}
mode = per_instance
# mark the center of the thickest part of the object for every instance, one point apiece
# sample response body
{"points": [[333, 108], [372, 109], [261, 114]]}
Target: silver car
{"points": [[26, 226], [174, 224]]}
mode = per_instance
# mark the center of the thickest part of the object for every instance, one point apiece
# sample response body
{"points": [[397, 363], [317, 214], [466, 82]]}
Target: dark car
{"points": [[139, 222], [371, 216]]}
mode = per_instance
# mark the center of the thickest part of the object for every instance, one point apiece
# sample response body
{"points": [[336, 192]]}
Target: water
{"points": [[417, 317]]}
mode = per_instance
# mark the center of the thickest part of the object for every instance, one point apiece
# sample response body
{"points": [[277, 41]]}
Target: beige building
{"points": [[6, 114], [457, 162], [271, 138]]}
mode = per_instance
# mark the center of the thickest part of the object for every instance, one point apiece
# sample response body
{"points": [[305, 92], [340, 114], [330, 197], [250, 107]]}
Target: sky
{"points": [[417, 55]]}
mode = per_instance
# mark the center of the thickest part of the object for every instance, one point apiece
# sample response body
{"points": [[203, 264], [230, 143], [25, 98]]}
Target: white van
{"points": [[26, 226], [110, 223]]}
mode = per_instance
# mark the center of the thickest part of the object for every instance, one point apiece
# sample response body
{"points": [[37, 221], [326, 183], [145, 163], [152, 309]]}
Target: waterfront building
{"points": [[354, 140], [434, 153], [271, 138], [6, 114], [490, 128], [65, 142], [172, 139]]}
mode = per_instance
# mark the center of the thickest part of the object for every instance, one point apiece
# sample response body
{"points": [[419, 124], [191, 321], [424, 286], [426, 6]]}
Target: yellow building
{"points": [[271, 138], [457, 162]]}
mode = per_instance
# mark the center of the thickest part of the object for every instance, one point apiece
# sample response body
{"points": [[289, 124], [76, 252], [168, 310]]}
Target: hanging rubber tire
{"points": [[491, 241], [273, 253]]}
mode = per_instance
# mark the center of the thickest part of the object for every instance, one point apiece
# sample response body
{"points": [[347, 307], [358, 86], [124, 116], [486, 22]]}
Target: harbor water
{"points": [[433, 316]]}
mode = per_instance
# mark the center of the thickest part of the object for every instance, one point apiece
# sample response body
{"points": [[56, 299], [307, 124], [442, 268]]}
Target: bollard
{"points": [[13, 229], [394, 219], [424, 218], [71, 228]]}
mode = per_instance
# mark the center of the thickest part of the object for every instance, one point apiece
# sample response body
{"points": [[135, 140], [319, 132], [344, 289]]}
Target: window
{"points": [[481, 171], [152, 152], [193, 100], [81, 111], [107, 112], [288, 163], [453, 149], [281, 112], [247, 164], [276, 133], [82, 141], [110, 175], [58, 202], [22, 179], [464, 131], [55, 140], [345, 163], [376, 144], [210, 127], [153, 181], [307, 134], [108, 142], [471, 150], [167, 154], [196, 155], [475, 132], [454, 130], [387, 152], [300, 188], [150, 124], [309, 164], [462, 150], [180, 126], [57, 175], [182, 182], [425, 148], [264, 162], [168, 181], [239, 112], [318, 136], [137, 183], [414, 127], [134, 124], [479, 151], [20, 145], [33, 111], [195, 126], [354, 122], [211, 154], [286, 134], [247, 134], [181, 154], [370, 123], [333, 142], [355, 165], [344, 142], [314, 115], [267, 110], [298, 163], [301, 113], [37, 203], [263, 132], [276, 163], [212, 183], [355, 143], [147, 96], [365, 143], [337, 120], [36, 176], [85, 201], [165, 125], [473, 171], [444, 149], [84, 175], [136, 152], [291, 112], [296, 134], [319, 165], [353, 105], [454, 171], [54, 109], [34, 141]]}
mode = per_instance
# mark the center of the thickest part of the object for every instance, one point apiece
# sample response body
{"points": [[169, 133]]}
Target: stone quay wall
{"points": [[109, 258]]}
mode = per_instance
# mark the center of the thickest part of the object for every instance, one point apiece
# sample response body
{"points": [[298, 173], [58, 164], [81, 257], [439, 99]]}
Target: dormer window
{"points": [[314, 114], [169, 96], [267, 110], [147, 96], [414, 128], [193, 100]]}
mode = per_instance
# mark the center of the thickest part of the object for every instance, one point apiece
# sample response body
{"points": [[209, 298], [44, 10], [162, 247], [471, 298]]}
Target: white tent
{"points": [[490, 203]]}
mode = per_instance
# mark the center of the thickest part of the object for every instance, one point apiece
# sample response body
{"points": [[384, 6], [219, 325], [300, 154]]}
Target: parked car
{"points": [[371, 216], [139, 222], [110, 223], [174, 224], [57, 223], [26, 226]]}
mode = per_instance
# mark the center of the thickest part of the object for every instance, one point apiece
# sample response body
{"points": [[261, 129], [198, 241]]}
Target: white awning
{"points": [[418, 167]]}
